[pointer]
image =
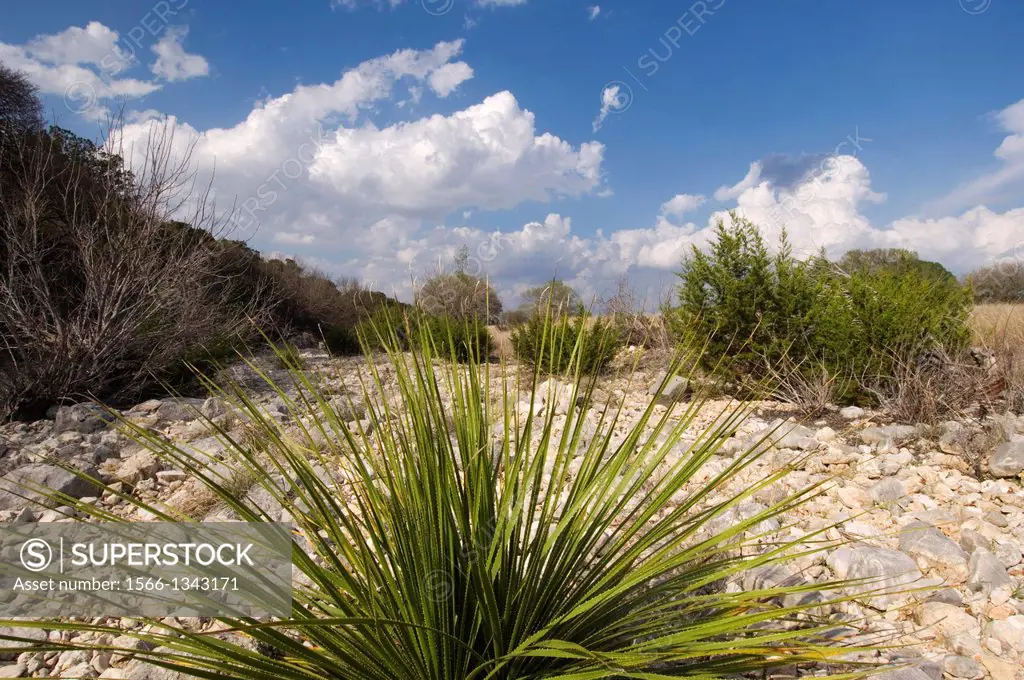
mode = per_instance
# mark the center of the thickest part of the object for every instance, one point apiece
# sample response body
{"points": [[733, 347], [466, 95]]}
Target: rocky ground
{"points": [[935, 506]]}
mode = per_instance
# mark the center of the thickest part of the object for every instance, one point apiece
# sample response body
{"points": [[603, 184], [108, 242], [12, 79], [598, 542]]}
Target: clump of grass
{"points": [[933, 388], [463, 340], [460, 537], [809, 385], [566, 344]]}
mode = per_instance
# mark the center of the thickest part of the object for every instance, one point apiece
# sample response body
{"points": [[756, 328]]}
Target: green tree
{"points": [[726, 293], [458, 294], [896, 261], [556, 296]]}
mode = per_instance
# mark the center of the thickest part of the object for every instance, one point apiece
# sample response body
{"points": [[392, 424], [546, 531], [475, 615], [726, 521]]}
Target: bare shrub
{"points": [[636, 328], [109, 276], [20, 106], [809, 385], [1001, 282], [932, 387]]}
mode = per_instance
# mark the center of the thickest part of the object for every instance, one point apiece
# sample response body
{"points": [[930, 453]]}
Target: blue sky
{"points": [[600, 142]]}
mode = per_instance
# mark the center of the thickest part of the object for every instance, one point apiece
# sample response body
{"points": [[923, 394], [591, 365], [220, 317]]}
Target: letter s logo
{"points": [[36, 554]]}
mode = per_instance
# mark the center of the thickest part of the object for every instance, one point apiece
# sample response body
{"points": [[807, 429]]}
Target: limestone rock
{"points": [[887, 491], [81, 418], [986, 572], [1008, 459], [34, 634], [675, 388], [140, 670], [181, 408], [1009, 553], [169, 476], [1009, 632], [904, 674], [891, 434], [887, 571], [962, 667], [972, 540], [213, 407], [946, 619], [41, 475], [139, 466], [925, 541], [797, 437]]}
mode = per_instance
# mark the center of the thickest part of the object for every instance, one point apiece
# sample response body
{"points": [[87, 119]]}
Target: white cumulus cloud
{"points": [[446, 79], [728, 193], [173, 62], [309, 168], [680, 204], [87, 65], [1006, 180], [89, 60]]}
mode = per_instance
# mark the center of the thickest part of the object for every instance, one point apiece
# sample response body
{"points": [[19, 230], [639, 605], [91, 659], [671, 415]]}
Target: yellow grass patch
{"points": [[1000, 328]]}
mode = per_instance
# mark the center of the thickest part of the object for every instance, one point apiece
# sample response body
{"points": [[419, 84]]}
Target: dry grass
{"points": [[989, 379], [1000, 329], [807, 384], [502, 338], [999, 322], [929, 392]]}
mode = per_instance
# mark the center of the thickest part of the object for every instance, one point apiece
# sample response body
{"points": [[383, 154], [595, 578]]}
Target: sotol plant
{"points": [[461, 536]]}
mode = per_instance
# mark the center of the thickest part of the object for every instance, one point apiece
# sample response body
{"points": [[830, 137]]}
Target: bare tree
{"points": [[623, 303], [109, 276], [626, 312], [19, 102]]}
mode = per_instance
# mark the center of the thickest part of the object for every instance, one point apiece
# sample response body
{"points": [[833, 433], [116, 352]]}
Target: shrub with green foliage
{"points": [[559, 345], [392, 328], [341, 340], [463, 340], [758, 309], [555, 298], [386, 328], [458, 294], [894, 261]]}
